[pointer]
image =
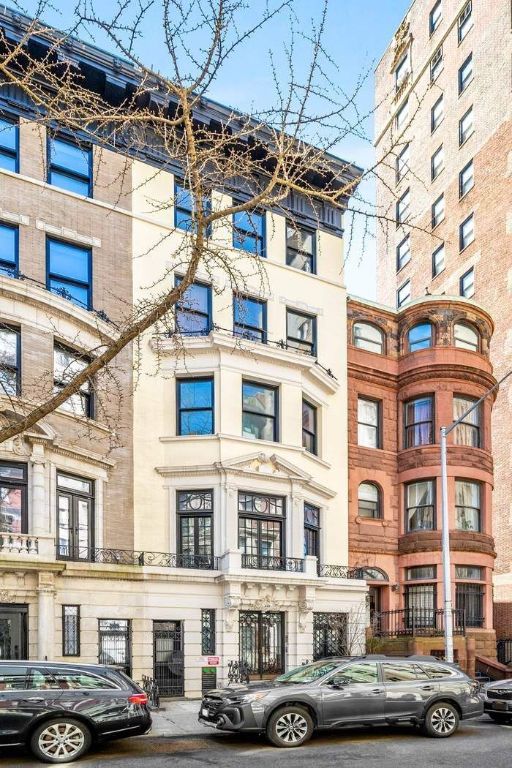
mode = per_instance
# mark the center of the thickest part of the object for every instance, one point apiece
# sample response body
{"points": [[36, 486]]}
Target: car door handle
{"points": [[32, 700], [377, 690], [427, 687]]}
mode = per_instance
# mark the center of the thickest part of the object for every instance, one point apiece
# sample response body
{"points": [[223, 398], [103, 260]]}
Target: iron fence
{"points": [[416, 622], [340, 572], [108, 556], [270, 563], [150, 687], [504, 651]]}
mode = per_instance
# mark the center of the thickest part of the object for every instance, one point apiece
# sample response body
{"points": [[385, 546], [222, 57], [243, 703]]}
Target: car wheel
{"points": [[290, 727], [499, 718], [441, 720], [60, 741]]}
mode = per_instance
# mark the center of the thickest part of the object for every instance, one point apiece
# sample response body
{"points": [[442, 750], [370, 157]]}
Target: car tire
{"points": [[290, 727], [499, 718], [441, 720], [61, 740]]}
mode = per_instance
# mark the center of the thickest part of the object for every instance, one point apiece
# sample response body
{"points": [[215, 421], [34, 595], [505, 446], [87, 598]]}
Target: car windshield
{"points": [[308, 673]]}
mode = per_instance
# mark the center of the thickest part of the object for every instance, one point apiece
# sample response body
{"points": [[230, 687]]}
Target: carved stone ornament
{"points": [[7, 596], [402, 39]]}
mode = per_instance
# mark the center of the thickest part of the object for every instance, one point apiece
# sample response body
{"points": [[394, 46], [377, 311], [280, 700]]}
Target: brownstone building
{"points": [[444, 109], [410, 372]]}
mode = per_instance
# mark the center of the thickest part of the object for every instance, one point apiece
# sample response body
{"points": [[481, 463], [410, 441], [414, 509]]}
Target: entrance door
{"points": [[262, 643], [13, 632], [329, 635], [74, 517], [168, 657]]}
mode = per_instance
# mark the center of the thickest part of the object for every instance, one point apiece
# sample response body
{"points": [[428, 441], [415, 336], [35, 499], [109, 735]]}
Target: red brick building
{"points": [[411, 372]]}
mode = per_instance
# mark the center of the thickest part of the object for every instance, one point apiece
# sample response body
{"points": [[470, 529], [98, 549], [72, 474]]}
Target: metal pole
{"points": [[447, 568]]}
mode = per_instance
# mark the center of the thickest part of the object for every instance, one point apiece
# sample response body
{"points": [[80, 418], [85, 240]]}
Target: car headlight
{"points": [[248, 698]]}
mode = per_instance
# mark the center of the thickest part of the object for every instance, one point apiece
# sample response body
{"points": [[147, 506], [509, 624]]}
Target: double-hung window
{"points": [[9, 250], [184, 208], [309, 427], [311, 531], [402, 163], [369, 337], [437, 163], [419, 422], [466, 73], [194, 310], [467, 232], [420, 336], [437, 114], [66, 365], [403, 294], [437, 211], [436, 64], [250, 318], [438, 260], [403, 69], [301, 331], [467, 284], [465, 21], [70, 166], [369, 501], [420, 506], [10, 359], [261, 531], [9, 144], [402, 115], [249, 231], [195, 401], [300, 247], [435, 16], [466, 337], [259, 411], [403, 206], [368, 423], [195, 529], [466, 179], [69, 272], [466, 126], [467, 505], [403, 253], [468, 431], [13, 497]]}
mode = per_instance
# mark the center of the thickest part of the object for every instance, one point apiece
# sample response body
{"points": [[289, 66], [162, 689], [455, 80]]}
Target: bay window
{"points": [[420, 506]]}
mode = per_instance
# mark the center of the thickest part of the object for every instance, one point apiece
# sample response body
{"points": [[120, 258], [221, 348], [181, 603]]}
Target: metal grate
{"points": [[329, 635], [71, 630], [168, 658]]}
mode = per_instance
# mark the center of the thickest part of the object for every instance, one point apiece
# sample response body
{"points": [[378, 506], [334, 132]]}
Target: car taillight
{"points": [[138, 698]]}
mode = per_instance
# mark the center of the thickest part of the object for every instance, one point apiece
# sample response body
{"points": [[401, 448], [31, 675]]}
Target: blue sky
{"points": [[357, 34]]}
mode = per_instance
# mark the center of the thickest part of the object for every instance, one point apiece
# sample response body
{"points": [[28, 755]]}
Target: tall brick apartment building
{"points": [[443, 90], [409, 372]]}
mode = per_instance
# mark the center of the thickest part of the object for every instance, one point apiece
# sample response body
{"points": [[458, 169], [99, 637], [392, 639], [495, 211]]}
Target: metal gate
{"points": [[262, 643], [329, 635], [169, 668], [114, 641]]}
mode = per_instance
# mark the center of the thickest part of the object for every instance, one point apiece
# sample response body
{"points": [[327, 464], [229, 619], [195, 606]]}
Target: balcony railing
{"points": [[267, 563], [18, 543], [415, 622], [139, 558], [340, 572]]}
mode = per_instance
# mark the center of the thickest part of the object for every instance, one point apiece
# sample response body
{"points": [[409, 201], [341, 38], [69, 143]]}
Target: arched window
{"points": [[420, 336], [369, 503], [466, 337], [368, 337]]}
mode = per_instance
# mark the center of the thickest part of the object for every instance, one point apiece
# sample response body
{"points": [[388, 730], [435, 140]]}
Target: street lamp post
{"points": [[445, 540]]}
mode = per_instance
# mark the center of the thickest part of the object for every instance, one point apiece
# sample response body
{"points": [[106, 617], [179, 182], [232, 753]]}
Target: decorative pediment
{"points": [[262, 464]]}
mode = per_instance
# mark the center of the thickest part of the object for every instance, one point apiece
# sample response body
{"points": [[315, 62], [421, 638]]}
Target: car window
{"points": [[307, 673], [41, 680], [13, 678], [356, 673], [437, 671], [66, 679], [401, 673]]}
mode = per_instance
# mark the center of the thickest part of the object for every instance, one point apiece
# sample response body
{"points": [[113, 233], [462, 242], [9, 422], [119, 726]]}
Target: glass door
{"points": [[75, 513], [13, 632]]}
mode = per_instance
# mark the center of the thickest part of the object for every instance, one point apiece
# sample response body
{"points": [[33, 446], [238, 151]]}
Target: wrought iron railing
{"points": [[504, 651], [426, 622], [340, 572], [150, 687], [238, 672], [108, 556], [267, 563]]}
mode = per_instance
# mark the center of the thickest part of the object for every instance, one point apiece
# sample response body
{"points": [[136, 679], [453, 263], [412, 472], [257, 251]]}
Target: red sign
{"points": [[214, 661]]}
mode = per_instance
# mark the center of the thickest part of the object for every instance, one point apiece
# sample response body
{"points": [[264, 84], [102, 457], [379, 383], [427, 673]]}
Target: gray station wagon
{"points": [[337, 692]]}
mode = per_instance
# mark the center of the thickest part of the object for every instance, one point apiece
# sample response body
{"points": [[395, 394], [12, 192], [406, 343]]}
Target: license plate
{"points": [[500, 705], [204, 712]]}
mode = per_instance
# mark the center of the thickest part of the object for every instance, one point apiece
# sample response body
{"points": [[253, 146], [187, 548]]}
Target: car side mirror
{"points": [[336, 684]]}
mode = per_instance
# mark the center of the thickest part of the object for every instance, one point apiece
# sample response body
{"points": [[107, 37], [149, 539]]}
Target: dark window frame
{"points": [[431, 337], [462, 245], [313, 435], [262, 517], [468, 165], [74, 495], [195, 312], [68, 650], [292, 342], [435, 172], [401, 170], [23, 486], [476, 428], [71, 281], [410, 428], [464, 16], [377, 427], [435, 271], [400, 263], [436, 64], [312, 256], [179, 410], [433, 125], [126, 635], [275, 416], [400, 218], [6, 151], [7, 265], [434, 220], [432, 482], [479, 509], [432, 23], [462, 137], [462, 82], [17, 368], [179, 183], [402, 302], [377, 513], [260, 239], [311, 533], [355, 338], [61, 383], [195, 515], [473, 593], [470, 271], [244, 329], [471, 327], [208, 631], [66, 171]]}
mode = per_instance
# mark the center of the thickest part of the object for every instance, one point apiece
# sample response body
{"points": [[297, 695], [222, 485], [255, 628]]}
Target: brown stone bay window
{"points": [[420, 506]]}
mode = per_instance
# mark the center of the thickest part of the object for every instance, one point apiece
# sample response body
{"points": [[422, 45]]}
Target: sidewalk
{"points": [[178, 718]]}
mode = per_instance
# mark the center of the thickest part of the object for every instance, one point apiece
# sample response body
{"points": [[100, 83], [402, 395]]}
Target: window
{"points": [[437, 114], [402, 115], [184, 208], [13, 497], [420, 572], [309, 427], [249, 231], [437, 211], [10, 346], [436, 64], [466, 337], [300, 247], [301, 332], [466, 179], [208, 644], [368, 501], [437, 163], [420, 336], [70, 166], [467, 284], [420, 605], [60, 678], [403, 295], [68, 272], [71, 630], [466, 73], [438, 260], [368, 423], [403, 69], [311, 531], [468, 431], [469, 600], [394, 672], [368, 337], [419, 506], [436, 672], [194, 311], [466, 232], [260, 530], [435, 17], [250, 318], [75, 517], [259, 411], [470, 572], [419, 422], [403, 207], [466, 126], [467, 505], [9, 144], [66, 365], [195, 529], [402, 163], [465, 21], [114, 642], [356, 674], [195, 400], [8, 250], [403, 253], [13, 678]]}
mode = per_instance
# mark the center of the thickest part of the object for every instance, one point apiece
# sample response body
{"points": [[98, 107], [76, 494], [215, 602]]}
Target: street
{"points": [[370, 748]]}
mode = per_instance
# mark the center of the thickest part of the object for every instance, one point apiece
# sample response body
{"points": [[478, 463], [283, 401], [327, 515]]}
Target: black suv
{"points": [[59, 709], [336, 692]]}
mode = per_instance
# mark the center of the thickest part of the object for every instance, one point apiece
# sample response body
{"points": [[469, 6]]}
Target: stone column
{"points": [[40, 522], [46, 616]]}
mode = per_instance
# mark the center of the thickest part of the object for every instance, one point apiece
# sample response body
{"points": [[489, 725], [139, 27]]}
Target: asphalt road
{"points": [[477, 743]]}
